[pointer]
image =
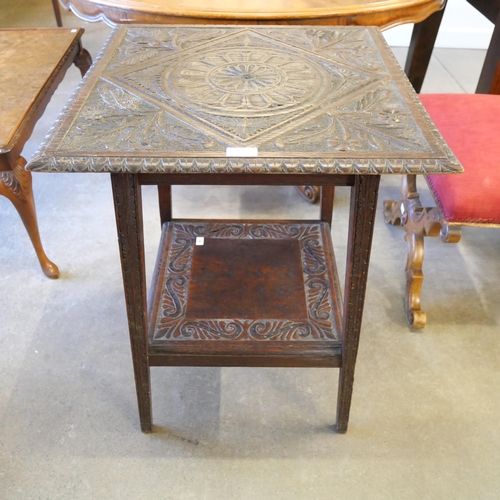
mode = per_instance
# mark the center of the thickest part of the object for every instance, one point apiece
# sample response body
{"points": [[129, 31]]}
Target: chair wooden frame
{"points": [[419, 222]]}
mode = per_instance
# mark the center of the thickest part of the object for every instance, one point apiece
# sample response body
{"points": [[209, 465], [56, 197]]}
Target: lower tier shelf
{"points": [[240, 293]]}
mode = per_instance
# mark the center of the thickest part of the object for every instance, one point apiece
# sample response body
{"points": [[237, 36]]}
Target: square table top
{"points": [[249, 99], [29, 63]]}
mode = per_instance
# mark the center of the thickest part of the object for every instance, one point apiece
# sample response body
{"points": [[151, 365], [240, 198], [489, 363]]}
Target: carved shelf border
{"points": [[169, 321]]}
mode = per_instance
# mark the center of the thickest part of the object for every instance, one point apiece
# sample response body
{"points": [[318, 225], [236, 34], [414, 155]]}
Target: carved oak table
{"points": [[382, 13], [33, 62], [245, 105]]}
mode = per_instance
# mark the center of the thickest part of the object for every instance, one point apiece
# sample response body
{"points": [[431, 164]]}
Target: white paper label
{"points": [[200, 240], [242, 152]]}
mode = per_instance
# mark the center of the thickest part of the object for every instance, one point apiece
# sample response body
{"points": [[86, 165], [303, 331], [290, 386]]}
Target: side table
{"points": [[34, 61], [382, 13], [245, 105]]}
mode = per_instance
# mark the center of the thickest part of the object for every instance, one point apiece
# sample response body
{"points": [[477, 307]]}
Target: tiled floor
{"points": [[426, 408]]}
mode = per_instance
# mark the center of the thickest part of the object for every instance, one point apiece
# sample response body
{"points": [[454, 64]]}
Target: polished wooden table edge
{"points": [[383, 14], [13, 147]]}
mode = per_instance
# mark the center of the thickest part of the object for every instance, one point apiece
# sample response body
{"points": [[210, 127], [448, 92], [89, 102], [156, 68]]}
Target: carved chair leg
{"points": [[415, 317], [310, 193], [83, 61], [418, 222], [16, 186]]}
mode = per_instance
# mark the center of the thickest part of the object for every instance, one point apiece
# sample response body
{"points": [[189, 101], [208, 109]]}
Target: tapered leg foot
{"points": [[16, 185]]}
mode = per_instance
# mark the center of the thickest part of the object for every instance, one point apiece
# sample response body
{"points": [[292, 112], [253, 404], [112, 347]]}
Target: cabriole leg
{"points": [[16, 185]]}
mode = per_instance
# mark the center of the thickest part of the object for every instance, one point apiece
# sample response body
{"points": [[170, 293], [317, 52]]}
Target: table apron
{"points": [[248, 179]]}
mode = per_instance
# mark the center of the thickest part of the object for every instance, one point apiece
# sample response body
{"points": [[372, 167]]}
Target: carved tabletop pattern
{"points": [[172, 99], [173, 323]]}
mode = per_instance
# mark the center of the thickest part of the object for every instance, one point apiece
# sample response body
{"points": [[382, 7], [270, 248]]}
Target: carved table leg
{"points": [[418, 222], [128, 212], [310, 193], [364, 196], [16, 186]]}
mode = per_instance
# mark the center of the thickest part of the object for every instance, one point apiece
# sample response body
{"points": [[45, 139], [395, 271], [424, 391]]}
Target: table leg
{"points": [[364, 196], [327, 196], [128, 211], [165, 202], [486, 84], [421, 45], [16, 185]]}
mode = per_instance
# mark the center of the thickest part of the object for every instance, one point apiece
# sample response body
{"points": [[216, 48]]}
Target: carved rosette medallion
{"points": [[172, 323], [243, 82], [173, 99]]}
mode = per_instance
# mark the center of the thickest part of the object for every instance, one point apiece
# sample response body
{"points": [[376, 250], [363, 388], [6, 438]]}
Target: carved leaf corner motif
{"points": [[280, 330], [211, 330]]}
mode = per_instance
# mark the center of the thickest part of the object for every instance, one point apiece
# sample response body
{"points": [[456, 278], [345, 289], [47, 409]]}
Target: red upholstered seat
{"points": [[470, 124]]}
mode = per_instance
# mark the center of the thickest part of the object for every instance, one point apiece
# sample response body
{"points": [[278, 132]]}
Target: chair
{"points": [[470, 124]]}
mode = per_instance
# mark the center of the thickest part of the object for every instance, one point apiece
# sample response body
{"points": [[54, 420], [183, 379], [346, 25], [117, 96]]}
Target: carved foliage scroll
{"points": [[172, 324]]}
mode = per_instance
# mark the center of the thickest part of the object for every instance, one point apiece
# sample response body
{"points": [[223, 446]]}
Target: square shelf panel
{"points": [[250, 293]]}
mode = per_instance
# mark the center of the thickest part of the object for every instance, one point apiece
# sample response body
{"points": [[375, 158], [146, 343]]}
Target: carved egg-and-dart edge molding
{"points": [[243, 165], [282, 156]]}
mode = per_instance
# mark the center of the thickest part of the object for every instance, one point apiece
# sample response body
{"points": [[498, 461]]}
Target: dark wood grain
{"points": [[361, 223], [246, 179], [246, 279], [423, 37], [215, 306], [128, 211], [165, 202], [488, 8], [255, 292], [486, 84], [327, 197], [298, 359]]}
